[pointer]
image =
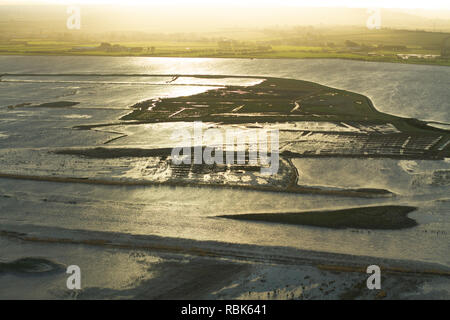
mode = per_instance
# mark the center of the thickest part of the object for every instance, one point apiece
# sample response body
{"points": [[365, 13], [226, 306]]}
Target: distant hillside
{"points": [[95, 19]]}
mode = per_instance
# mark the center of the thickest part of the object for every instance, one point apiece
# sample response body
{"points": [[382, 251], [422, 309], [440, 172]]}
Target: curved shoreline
{"points": [[402, 62]]}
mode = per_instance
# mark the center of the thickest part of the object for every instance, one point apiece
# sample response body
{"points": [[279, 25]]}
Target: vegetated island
{"points": [[56, 104], [313, 120], [376, 217], [366, 132], [348, 126]]}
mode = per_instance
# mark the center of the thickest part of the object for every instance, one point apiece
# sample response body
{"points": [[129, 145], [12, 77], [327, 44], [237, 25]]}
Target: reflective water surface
{"points": [[189, 212]]}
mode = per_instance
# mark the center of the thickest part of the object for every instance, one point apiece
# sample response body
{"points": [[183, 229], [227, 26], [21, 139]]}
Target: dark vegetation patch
{"points": [[273, 100], [30, 265], [25, 104], [377, 217], [56, 104], [112, 153]]}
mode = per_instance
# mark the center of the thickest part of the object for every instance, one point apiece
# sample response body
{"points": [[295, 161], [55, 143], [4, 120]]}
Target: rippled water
{"points": [[407, 90]]}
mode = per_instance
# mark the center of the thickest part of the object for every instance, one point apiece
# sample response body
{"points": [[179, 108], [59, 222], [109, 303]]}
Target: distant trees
{"points": [[392, 47], [243, 47], [151, 50], [136, 49], [351, 44], [108, 47], [105, 46], [365, 47]]}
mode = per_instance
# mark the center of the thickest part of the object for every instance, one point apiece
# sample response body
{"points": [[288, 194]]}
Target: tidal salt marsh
{"points": [[95, 173]]}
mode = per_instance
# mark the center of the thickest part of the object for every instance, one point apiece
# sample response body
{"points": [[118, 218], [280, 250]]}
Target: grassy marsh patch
{"points": [[376, 217]]}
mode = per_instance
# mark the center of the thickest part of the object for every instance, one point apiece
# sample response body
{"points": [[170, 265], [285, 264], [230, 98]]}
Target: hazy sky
{"points": [[409, 4], [213, 15]]}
